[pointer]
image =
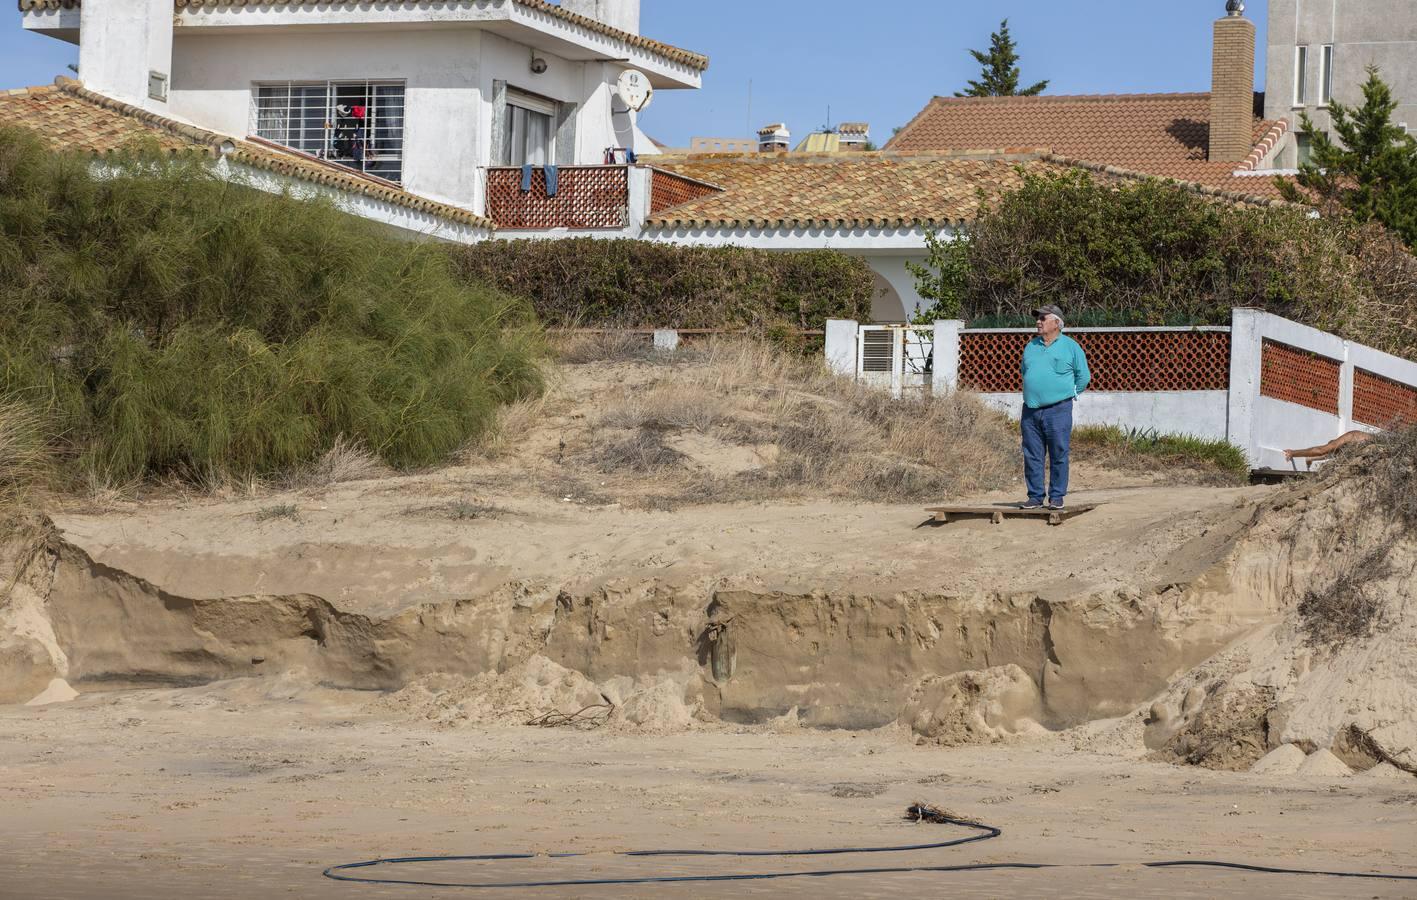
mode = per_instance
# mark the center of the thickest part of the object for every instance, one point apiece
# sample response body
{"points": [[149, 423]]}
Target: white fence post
{"points": [[1345, 391], [666, 340], [944, 371], [841, 346], [1245, 358]]}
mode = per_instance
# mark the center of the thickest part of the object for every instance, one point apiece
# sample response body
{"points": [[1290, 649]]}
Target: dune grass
{"points": [[164, 321]]}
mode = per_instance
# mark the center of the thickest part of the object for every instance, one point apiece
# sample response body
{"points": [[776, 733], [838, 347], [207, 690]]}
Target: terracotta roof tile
{"points": [[69, 117], [686, 57], [1160, 134], [870, 190]]}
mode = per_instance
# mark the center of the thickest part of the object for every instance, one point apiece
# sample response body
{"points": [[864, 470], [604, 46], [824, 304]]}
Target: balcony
{"points": [[587, 197]]}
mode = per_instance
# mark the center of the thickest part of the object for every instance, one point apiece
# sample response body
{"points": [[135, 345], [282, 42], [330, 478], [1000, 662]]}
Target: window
{"points": [[1326, 77], [529, 130], [1304, 143], [355, 123], [1301, 76]]}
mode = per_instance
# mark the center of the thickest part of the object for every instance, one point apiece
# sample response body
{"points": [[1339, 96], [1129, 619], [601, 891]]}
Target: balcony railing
{"points": [[586, 197]]}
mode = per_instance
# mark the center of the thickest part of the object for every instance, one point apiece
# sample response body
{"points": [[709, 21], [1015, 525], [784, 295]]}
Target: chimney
{"points": [[125, 50], [621, 14], [1232, 90]]}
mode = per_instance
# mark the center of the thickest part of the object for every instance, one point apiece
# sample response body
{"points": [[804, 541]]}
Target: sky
{"points": [[876, 62]]}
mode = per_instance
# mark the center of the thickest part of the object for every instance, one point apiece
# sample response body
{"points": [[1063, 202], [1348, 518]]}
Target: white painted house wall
{"points": [[448, 55], [443, 137]]}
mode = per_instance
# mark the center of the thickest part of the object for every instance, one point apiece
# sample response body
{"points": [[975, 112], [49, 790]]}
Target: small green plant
{"points": [[279, 511], [1150, 444]]}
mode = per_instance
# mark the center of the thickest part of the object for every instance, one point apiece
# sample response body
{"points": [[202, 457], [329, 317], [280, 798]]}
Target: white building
{"points": [[427, 96], [421, 115]]}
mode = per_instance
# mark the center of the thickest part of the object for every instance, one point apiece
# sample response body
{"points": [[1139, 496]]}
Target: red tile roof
{"points": [[870, 190], [668, 51], [1165, 135], [70, 117]]}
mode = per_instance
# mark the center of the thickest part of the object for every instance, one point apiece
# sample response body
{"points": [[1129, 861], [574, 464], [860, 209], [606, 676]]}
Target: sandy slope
{"points": [[250, 787]]}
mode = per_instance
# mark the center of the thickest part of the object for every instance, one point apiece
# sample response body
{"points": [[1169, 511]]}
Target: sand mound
{"points": [[58, 691], [974, 707], [1387, 772], [1282, 760], [1323, 764], [540, 690], [1338, 669], [531, 689]]}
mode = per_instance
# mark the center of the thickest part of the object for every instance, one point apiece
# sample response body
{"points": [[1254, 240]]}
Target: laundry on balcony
{"points": [[550, 172], [620, 156]]}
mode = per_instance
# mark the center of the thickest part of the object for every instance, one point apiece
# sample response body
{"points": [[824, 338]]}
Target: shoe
{"points": [[1031, 504], [1056, 506]]}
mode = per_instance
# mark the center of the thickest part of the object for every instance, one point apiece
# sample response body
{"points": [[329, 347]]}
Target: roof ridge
{"points": [[1073, 98], [27, 91], [1192, 186], [688, 57], [808, 156]]}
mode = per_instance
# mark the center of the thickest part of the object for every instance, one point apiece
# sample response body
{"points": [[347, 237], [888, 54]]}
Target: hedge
{"points": [[585, 282]]}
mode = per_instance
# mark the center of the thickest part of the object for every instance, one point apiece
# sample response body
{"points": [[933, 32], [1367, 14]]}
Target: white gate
{"points": [[894, 357]]}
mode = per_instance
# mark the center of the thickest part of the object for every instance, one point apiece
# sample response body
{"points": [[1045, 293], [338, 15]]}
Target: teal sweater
{"points": [[1053, 373]]}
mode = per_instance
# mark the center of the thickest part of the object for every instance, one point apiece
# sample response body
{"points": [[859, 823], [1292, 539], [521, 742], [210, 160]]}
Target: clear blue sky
{"points": [[878, 62]]}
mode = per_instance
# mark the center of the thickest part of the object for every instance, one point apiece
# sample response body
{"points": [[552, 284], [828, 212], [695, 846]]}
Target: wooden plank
{"points": [[997, 514]]}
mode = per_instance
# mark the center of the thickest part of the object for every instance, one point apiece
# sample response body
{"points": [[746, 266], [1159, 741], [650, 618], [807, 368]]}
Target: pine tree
{"points": [[1370, 170], [1001, 72]]}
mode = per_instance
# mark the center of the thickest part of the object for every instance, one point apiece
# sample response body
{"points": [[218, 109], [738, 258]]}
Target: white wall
{"points": [[122, 44], [214, 74], [448, 99], [1196, 413], [902, 302]]}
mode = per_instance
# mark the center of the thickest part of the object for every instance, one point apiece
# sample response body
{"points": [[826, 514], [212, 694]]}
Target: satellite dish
{"points": [[634, 89]]}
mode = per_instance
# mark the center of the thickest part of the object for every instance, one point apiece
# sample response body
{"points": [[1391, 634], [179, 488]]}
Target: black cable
{"points": [[986, 832]]}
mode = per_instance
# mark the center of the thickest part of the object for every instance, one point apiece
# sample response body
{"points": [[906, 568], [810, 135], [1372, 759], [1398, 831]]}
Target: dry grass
{"points": [[1349, 608], [279, 511], [346, 460], [514, 422], [1394, 480], [816, 434], [25, 462], [578, 347]]}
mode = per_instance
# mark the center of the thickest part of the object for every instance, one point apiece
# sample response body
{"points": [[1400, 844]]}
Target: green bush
{"points": [[164, 320], [636, 284], [1154, 253]]}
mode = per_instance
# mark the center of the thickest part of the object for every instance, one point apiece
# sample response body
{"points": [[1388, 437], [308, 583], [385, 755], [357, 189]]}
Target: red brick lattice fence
{"points": [[1298, 376], [668, 190], [1382, 402], [1127, 361], [586, 197]]}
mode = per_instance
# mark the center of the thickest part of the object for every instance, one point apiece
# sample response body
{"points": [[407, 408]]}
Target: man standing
{"points": [[1054, 374]]}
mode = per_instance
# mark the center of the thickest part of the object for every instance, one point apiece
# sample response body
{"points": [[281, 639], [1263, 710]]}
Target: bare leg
{"points": [[1323, 451]]}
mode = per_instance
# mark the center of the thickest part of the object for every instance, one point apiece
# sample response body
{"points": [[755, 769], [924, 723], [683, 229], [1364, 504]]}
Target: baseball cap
{"points": [[1049, 310]]}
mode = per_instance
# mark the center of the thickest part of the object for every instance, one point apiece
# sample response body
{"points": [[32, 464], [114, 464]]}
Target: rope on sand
{"points": [[918, 812]]}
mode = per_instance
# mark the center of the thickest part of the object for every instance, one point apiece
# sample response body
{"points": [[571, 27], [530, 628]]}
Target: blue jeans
{"points": [[1047, 431]]}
